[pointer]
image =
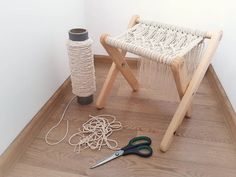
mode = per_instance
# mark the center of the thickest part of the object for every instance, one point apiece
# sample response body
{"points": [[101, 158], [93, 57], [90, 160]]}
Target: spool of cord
{"points": [[81, 65]]}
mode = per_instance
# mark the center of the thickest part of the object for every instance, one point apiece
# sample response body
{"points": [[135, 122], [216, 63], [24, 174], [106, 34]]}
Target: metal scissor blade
{"points": [[113, 156]]}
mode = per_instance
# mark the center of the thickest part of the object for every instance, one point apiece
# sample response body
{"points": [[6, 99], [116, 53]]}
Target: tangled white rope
{"points": [[82, 67], [95, 132]]}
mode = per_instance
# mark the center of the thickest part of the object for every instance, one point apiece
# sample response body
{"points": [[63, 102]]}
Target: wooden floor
{"points": [[203, 145]]}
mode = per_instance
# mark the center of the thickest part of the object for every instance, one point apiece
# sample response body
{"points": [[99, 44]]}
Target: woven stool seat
{"points": [[157, 41]]}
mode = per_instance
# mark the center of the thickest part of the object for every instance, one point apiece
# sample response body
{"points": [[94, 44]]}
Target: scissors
{"points": [[139, 146]]}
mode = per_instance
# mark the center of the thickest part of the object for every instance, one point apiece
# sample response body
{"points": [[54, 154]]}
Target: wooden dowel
{"points": [[133, 21], [179, 71], [110, 79], [191, 91], [121, 64], [107, 86]]}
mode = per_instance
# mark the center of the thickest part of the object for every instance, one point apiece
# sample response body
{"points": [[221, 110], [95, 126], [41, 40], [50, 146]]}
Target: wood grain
{"points": [[18, 146], [224, 100], [61, 158], [203, 145], [31, 171]]}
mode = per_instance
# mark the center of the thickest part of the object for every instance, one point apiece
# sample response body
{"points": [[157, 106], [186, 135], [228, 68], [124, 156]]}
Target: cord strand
{"points": [[94, 134]]}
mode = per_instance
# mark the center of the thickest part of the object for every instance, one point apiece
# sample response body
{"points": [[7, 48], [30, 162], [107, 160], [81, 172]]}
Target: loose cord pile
{"points": [[95, 132]]}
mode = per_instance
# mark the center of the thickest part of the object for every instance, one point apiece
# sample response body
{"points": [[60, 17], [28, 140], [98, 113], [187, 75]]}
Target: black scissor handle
{"points": [[140, 146], [142, 151], [140, 140]]}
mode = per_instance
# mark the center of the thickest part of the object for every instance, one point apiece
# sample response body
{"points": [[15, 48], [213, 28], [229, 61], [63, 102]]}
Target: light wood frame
{"points": [[186, 89]]}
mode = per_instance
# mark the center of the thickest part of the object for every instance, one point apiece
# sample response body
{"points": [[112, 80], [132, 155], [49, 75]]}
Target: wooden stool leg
{"points": [[107, 86], [181, 79], [110, 79], [120, 63], [191, 91]]}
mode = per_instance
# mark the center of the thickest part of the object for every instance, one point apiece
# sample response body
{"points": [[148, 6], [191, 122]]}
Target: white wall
{"points": [[106, 16], [33, 58]]}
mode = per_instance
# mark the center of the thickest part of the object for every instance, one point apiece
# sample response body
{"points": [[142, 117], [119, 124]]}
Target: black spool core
{"points": [[85, 100], [80, 34]]}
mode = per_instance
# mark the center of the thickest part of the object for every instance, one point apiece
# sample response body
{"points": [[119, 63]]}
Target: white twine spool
{"points": [[82, 67]]}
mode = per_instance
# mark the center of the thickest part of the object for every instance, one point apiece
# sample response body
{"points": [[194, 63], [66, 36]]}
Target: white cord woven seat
{"points": [[157, 41]]}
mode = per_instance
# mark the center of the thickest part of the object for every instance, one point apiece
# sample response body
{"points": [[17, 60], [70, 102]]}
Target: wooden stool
{"points": [[117, 47]]}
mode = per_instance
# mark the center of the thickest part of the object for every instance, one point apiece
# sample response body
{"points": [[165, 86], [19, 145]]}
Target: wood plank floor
{"points": [[202, 147]]}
